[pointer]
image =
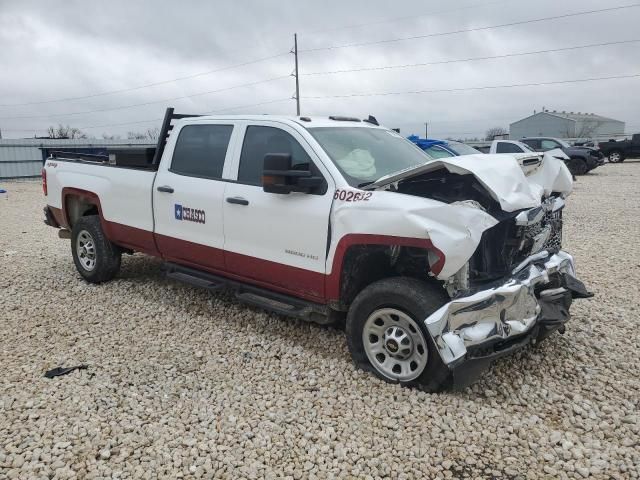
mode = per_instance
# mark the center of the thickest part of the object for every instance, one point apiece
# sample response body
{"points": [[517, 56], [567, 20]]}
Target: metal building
{"points": [[24, 158], [565, 125]]}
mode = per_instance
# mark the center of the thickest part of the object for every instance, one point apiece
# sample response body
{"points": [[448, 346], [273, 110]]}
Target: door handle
{"points": [[238, 200], [166, 189]]}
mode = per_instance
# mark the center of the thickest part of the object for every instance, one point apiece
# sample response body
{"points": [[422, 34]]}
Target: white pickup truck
{"points": [[436, 266]]}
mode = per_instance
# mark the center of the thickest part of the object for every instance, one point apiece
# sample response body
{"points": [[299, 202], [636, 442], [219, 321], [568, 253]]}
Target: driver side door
{"points": [[277, 241]]}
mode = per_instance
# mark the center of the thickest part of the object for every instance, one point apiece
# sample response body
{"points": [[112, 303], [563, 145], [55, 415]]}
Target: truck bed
{"points": [[140, 158]]}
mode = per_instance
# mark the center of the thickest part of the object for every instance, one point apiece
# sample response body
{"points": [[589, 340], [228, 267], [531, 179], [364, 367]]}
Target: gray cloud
{"points": [[77, 48]]}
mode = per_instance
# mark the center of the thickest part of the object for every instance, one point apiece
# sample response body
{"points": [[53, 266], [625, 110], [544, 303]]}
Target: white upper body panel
{"points": [[455, 229]]}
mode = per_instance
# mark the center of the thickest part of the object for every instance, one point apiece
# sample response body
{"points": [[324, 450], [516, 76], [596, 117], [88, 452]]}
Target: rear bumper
{"points": [[469, 332]]}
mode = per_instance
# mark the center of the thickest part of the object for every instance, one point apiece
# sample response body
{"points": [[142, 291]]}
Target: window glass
{"points": [[462, 148], [525, 147], [258, 141], [533, 143], [200, 150], [437, 152], [364, 154], [549, 145], [506, 147]]}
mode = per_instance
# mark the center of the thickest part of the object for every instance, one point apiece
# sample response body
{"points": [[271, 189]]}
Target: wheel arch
{"points": [[77, 203], [362, 259]]}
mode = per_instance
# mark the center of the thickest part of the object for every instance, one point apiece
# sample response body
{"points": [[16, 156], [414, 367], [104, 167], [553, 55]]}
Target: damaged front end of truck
{"points": [[515, 286]]}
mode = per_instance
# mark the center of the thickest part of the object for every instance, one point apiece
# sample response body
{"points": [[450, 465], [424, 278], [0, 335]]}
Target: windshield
{"points": [[363, 155], [562, 142], [462, 149]]}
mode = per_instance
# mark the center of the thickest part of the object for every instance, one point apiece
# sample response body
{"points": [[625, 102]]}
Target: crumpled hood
{"points": [[502, 176]]}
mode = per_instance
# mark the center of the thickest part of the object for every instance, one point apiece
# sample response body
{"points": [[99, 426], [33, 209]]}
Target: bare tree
{"points": [[494, 132], [149, 134], [153, 133], [107, 136], [584, 129], [62, 131], [136, 135], [588, 129]]}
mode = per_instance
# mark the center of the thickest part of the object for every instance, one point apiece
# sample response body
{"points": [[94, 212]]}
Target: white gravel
{"points": [[186, 384]]}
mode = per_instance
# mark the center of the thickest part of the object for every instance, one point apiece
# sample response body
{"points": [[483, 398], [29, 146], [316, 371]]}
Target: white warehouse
{"points": [[565, 125]]}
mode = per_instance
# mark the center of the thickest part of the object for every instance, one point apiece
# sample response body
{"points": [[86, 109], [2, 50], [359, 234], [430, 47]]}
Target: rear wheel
{"points": [[387, 336], [95, 257], [616, 156]]}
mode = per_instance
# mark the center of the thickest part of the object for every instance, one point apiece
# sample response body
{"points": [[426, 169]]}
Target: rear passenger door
{"points": [[188, 195], [277, 240]]}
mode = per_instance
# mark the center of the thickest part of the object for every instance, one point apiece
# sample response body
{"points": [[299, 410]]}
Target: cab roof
{"points": [[305, 121]]}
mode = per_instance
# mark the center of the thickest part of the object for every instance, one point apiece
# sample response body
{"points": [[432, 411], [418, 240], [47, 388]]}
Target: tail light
{"points": [[44, 182]]}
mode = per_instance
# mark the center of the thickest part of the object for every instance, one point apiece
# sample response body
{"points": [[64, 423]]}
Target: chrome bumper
{"points": [[487, 321]]}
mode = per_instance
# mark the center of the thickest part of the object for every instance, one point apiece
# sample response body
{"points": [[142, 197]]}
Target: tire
{"points": [[95, 257], [391, 301], [616, 156], [577, 166]]}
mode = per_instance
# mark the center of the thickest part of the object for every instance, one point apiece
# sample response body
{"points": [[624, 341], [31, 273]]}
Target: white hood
{"points": [[502, 175]]}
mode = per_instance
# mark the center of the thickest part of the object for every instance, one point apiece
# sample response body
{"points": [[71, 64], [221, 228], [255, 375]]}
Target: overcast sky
{"points": [[56, 50]]}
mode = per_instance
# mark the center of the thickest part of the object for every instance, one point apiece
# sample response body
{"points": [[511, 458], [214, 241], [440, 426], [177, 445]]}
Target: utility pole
{"points": [[426, 130], [295, 53]]}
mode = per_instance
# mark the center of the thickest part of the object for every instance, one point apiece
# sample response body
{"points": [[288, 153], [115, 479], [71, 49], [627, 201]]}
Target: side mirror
{"points": [[279, 177]]}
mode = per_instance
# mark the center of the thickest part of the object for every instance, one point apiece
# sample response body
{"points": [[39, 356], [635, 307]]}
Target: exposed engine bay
{"points": [[516, 236]]}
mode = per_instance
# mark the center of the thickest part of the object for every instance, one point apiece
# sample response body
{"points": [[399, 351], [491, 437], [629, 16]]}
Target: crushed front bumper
{"points": [[471, 331]]}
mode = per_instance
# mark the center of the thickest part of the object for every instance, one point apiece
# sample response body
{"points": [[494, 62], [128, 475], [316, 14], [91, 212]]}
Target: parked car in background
{"points": [[443, 148], [618, 151], [581, 159], [528, 160]]}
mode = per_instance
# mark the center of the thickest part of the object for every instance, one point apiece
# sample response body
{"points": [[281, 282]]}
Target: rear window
{"points": [[435, 151], [200, 150], [506, 147]]}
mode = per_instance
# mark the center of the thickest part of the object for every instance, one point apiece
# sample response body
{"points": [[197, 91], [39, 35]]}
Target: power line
{"points": [[164, 100], [202, 113], [139, 87], [465, 89], [408, 17], [475, 29], [469, 59]]}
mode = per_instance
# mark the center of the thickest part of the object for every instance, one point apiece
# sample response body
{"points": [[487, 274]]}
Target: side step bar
{"points": [[256, 296]]}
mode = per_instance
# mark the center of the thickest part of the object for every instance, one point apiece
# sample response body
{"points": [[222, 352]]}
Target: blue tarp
{"points": [[424, 143]]}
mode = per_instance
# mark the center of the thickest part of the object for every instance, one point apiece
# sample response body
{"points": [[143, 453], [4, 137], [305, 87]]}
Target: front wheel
{"points": [[387, 336], [95, 257], [577, 166]]}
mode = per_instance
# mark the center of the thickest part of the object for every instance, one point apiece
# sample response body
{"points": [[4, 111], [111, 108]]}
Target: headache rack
{"points": [[165, 130], [143, 157]]}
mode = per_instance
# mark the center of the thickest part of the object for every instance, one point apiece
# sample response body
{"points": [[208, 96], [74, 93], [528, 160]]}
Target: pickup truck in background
{"points": [[619, 151], [581, 159], [436, 266], [529, 160]]}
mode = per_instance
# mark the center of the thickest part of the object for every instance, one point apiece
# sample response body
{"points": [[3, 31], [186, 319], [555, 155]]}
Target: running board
{"points": [[195, 281], [256, 296]]}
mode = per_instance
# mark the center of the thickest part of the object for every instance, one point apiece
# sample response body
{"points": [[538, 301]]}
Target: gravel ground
{"points": [[183, 383]]}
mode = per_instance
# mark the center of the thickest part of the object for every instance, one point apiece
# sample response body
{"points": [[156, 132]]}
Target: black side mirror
{"points": [[279, 177]]}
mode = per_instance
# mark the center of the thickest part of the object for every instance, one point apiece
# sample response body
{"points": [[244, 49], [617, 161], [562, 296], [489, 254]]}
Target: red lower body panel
{"points": [[312, 286]]}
